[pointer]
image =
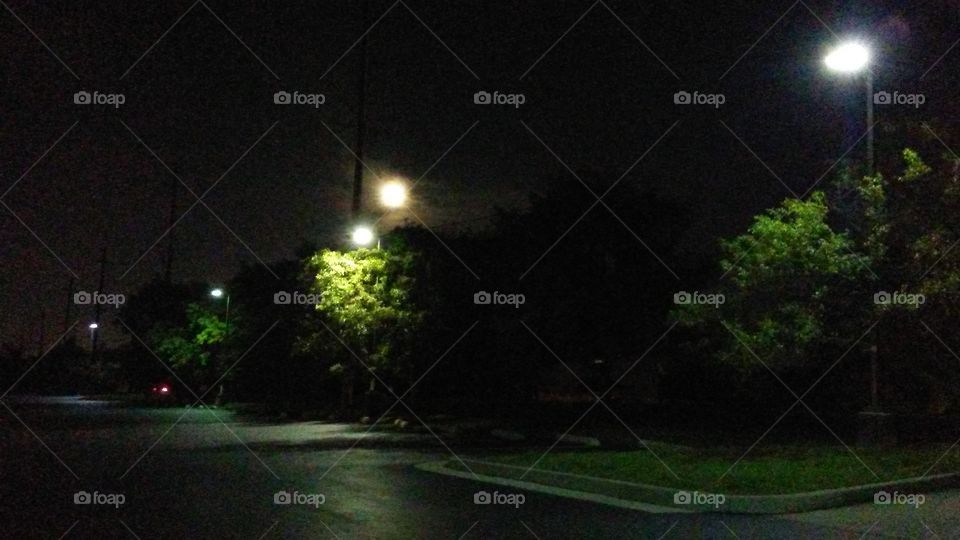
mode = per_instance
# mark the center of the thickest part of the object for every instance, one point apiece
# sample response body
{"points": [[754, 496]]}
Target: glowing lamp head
{"points": [[848, 58], [216, 293], [164, 389], [94, 326], [362, 236], [393, 194]]}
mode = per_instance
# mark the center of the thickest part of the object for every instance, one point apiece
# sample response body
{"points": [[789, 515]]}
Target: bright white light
{"points": [[164, 389], [94, 326], [848, 58], [216, 293], [393, 194], [362, 236]]}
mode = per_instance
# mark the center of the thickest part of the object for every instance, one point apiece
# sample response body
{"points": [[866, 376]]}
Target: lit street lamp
{"points": [[393, 194], [853, 57], [93, 329], [362, 236], [218, 293]]}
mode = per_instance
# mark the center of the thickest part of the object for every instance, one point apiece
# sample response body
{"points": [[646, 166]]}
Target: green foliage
{"points": [[365, 301], [785, 276], [189, 348]]}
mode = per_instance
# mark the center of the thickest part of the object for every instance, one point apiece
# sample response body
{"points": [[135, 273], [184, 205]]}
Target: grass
{"points": [[771, 470]]}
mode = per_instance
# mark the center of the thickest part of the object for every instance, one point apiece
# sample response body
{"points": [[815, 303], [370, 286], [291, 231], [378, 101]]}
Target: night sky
{"points": [[598, 80]]}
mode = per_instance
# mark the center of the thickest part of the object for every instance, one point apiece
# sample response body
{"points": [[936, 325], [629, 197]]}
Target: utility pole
{"points": [[168, 261], [97, 306], [355, 207]]}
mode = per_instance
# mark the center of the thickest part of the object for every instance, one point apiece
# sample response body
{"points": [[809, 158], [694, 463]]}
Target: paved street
{"points": [[207, 479]]}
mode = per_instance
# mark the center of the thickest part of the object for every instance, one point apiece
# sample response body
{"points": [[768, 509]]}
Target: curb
{"points": [[659, 499]]}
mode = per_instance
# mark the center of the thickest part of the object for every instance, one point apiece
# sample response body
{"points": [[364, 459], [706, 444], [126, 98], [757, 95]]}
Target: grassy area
{"points": [[769, 470]]}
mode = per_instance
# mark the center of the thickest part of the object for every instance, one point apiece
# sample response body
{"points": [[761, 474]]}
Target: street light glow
{"points": [[848, 58], [216, 293], [393, 194], [93, 326], [362, 236]]}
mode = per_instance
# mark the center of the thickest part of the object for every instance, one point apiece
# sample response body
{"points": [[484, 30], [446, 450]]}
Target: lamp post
{"points": [[218, 293], [853, 57]]}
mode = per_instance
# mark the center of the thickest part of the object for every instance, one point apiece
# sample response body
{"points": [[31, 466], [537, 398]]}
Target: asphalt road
{"points": [[213, 475]]}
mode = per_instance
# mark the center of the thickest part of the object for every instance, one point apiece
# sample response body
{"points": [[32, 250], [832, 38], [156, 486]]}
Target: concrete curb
{"points": [[661, 499]]}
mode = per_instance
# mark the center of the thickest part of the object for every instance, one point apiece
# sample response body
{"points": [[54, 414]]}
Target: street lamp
{"points": [[362, 236], [854, 57], [93, 329], [393, 194], [218, 293]]}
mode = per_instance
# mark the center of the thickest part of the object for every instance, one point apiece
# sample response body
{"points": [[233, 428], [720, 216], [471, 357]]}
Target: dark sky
{"points": [[598, 79]]}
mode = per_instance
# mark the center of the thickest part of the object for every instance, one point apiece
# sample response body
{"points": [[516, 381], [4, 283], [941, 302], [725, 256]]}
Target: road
{"points": [[196, 473]]}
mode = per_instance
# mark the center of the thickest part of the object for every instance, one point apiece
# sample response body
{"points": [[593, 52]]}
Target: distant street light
{"points": [[362, 236], [218, 293], [94, 326], [393, 194], [93, 329], [848, 58]]}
